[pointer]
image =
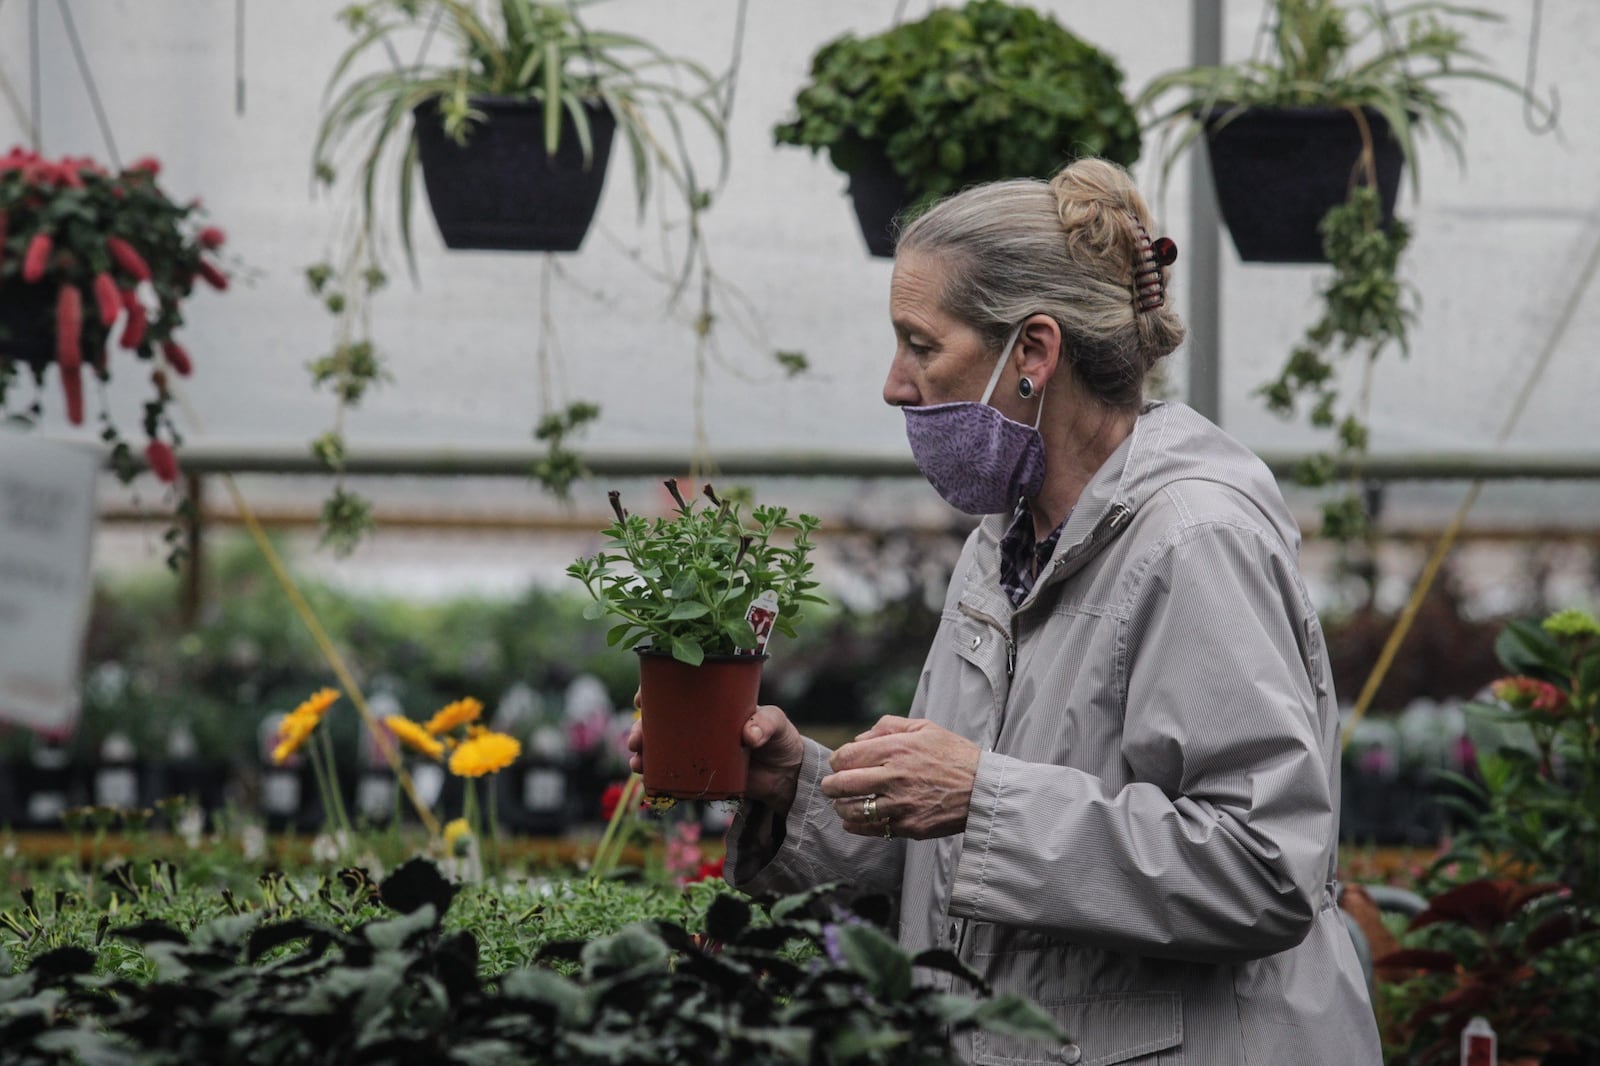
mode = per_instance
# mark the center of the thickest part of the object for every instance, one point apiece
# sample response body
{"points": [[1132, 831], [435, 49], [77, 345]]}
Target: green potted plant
{"points": [[986, 91], [513, 129], [696, 594], [92, 263], [1338, 100]]}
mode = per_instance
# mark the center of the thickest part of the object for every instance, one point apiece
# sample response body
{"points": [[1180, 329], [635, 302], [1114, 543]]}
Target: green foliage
{"points": [[1493, 942], [1337, 53], [560, 466], [686, 582], [522, 49], [1366, 307], [335, 978], [987, 91]]}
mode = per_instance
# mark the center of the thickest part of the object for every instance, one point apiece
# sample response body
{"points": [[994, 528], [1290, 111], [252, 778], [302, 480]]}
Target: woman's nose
{"points": [[899, 390]]}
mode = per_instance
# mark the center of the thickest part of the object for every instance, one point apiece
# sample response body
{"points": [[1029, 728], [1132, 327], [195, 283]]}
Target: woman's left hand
{"points": [[919, 776]]}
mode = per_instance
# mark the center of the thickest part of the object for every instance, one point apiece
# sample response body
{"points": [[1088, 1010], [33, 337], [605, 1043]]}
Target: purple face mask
{"points": [[979, 460]]}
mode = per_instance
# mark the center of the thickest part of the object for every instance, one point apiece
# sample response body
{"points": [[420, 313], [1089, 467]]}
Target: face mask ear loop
{"points": [[1000, 366]]}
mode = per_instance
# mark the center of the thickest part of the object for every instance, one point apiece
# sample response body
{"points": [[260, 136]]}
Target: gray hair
{"points": [[1068, 248]]}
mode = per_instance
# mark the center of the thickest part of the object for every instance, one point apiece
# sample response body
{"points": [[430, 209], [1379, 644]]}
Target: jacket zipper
{"points": [[1005, 634], [1110, 524]]}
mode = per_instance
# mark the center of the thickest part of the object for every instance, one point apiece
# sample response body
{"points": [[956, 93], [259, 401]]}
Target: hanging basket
{"points": [[501, 190], [1278, 171], [879, 196], [694, 719]]}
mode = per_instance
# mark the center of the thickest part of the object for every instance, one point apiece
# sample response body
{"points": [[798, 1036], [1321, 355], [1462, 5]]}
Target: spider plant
{"points": [[1324, 53], [518, 49]]}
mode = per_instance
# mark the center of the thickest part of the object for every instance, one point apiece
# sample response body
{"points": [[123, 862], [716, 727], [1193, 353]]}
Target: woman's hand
{"points": [[918, 774], [776, 752]]}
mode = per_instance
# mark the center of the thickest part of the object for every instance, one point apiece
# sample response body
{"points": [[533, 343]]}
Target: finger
{"points": [[636, 737], [874, 751], [858, 783], [766, 723], [889, 723], [638, 700]]}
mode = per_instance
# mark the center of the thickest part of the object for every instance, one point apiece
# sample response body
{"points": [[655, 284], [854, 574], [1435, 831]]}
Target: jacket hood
{"points": [[1170, 442]]}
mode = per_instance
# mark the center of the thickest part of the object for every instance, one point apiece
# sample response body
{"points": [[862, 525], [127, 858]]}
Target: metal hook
{"points": [[1529, 101]]}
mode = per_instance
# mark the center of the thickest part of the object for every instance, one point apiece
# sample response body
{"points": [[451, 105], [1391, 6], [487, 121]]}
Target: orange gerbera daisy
{"points": [[484, 754], [317, 704], [454, 714], [414, 736], [292, 732]]}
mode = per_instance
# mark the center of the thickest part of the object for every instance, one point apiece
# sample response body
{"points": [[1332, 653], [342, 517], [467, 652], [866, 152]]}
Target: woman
{"points": [[1115, 789]]}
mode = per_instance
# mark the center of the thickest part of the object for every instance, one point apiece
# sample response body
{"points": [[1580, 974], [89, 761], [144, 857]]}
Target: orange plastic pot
{"points": [[693, 720]]}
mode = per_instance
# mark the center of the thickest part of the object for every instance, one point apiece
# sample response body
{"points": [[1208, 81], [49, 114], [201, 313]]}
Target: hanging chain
{"points": [[88, 81], [35, 95], [238, 57], [1553, 109]]}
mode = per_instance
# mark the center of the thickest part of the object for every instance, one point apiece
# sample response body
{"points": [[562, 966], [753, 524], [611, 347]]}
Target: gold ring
{"points": [[869, 809]]}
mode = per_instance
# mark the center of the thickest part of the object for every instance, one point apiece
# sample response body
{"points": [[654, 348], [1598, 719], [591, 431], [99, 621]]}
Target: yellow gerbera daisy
{"points": [[414, 736], [292, 732], [484, 754], [317, 704], [454, 714]]}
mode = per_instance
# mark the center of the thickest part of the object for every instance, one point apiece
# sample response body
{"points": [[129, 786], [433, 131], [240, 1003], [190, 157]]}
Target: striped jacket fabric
{"points": [[1150, 848]]}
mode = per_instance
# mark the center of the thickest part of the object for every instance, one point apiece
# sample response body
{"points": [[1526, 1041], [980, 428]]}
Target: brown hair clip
{"points": [[1149, 283]]}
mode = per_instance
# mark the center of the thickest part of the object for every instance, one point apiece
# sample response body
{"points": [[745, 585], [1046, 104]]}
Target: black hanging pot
{"points": [[1278, 171], [879, 196], [502, 190]]}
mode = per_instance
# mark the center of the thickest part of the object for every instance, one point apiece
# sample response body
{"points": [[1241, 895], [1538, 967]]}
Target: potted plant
{"points": [[1338, 101], [990, 90], [92, 262], [513, 129], [696, 594]]}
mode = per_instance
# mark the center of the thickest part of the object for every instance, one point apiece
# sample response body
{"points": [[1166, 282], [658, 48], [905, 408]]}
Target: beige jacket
{"points": [[1150, 848]]}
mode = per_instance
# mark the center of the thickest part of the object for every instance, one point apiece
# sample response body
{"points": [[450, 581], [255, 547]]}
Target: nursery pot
{"points": [[502, 190], [879, 196], [693, 720], [1278, 171]]}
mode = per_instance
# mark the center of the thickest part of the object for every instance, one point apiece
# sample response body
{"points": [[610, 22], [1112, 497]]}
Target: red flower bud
{"points": [[214, 277], [162, 462], [211, 238], [138, 320], [69, 327], [177, 357], [128, 258], [72, 389], [149, 165], [106, 298], [36, 257]]}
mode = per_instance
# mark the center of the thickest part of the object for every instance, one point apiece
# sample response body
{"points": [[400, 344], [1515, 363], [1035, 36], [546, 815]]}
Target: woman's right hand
{"points": [[776, 752]]}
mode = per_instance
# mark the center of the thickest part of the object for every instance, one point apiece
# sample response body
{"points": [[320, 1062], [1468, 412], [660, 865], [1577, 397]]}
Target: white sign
{"points": [[47, 518]]}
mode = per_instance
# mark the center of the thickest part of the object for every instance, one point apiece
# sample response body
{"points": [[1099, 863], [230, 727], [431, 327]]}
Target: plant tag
{"points": [[762, 613], [1478, 1044]]}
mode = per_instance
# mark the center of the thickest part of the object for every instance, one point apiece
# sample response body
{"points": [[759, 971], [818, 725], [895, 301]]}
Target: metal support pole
{"points": [[193, 589], [1204, 254]]}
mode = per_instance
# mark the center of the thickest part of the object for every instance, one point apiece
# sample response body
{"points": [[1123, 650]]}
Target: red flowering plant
{"points": [[93, 264], [1512, 931]]}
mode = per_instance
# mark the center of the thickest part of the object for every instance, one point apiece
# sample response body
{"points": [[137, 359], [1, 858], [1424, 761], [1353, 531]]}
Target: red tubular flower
{"points": [[128, 258], [211, 238], [107, 300], [149, 165], [69, 327], [177, 357], [214, 277], [138, 320], [163, 463], [72, 389], [36, 257]]}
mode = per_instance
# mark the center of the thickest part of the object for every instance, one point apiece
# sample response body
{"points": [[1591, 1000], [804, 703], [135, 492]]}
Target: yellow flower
{"points": [[292, 732], [457, 836], [454, 714], [484, 754], [414, 736], [317, 704]]}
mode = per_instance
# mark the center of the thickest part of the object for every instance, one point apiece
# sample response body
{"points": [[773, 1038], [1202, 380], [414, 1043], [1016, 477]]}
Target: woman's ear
{"points": [[1038, 349]]}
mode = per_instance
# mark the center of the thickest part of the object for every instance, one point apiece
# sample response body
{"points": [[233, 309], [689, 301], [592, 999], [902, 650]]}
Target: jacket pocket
{"points": [[1131, 1028]]}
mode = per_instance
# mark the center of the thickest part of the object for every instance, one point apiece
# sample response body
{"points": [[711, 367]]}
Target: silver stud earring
{"points": [[1025, 388]]}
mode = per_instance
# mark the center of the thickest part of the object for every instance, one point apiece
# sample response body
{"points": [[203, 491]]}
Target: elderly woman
{"points": [[1115, 789]]}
